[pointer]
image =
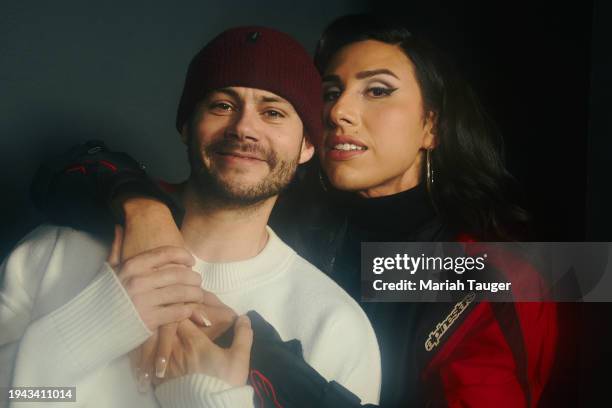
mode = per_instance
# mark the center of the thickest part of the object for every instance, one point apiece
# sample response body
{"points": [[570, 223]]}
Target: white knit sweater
{"points": [[65, 320]]}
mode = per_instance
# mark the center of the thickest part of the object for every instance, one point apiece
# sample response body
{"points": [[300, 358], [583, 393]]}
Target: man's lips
{"points": [[241, 155]]}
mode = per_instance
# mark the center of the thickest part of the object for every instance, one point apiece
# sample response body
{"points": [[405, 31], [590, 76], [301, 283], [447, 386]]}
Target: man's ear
{"points": [[307, 150], [430, 138]]}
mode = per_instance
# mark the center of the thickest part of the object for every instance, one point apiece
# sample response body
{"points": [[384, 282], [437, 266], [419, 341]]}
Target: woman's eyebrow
{"points": [[362, 75], [371, 73]]}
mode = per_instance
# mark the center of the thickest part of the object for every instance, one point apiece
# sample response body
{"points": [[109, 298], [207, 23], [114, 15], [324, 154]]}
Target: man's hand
{"points": [[196, 353]]}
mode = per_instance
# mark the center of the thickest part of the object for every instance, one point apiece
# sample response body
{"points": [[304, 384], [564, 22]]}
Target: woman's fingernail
{"points": [[144, 382], [160, 367], [244, 319], [205, 321]]}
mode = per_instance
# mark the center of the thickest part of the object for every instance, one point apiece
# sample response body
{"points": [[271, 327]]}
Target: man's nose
{"points": [[245, 125]]}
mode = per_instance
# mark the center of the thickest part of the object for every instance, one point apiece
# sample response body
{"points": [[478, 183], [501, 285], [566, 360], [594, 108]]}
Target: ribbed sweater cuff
{"points": [[200, 390], [101, 323]]}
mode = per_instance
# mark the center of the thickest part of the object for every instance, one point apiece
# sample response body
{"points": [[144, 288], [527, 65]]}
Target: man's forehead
{"points": [[259, 95]]}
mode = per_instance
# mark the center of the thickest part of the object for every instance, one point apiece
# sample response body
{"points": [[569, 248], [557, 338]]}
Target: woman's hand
{"points": [[149, 224], [149, 227], [195, 352], [211, 315], [158, 282]]}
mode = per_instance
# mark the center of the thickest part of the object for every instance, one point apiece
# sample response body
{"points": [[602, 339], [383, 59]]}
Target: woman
{"points": [[408, 154], [411, 156]]}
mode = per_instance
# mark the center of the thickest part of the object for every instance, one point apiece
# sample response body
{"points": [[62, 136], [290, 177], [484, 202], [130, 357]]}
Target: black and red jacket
{"points": [[493, 355]]}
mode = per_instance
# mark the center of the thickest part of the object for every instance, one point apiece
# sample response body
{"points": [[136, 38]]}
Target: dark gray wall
{"points": [[75, 70]]}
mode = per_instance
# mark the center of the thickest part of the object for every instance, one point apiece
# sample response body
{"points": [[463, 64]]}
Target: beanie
{"points": [[261, 58]]}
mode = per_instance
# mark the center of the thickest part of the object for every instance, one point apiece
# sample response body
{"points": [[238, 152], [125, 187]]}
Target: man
{"points": [[249, 114]]}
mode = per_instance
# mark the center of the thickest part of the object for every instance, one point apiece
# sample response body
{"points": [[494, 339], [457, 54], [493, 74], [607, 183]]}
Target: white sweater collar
{"points": [[230, 276]]}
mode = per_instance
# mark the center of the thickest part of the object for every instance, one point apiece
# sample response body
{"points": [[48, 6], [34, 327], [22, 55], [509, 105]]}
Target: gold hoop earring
{"points": [[430, 171]]}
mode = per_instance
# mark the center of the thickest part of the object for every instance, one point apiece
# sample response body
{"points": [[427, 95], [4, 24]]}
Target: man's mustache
{"points": [[233, 146]]}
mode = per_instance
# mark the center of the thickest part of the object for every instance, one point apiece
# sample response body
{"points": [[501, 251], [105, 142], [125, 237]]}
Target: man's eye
{"points": [[379, 91], [222, 106], [274, 114]]}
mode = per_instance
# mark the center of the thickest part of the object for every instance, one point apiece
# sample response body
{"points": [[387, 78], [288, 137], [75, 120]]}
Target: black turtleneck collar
{"points": [[398, 214]]}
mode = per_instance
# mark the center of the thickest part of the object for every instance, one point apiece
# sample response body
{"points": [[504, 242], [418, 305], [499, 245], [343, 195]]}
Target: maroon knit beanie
{"points": [[261, 58]]}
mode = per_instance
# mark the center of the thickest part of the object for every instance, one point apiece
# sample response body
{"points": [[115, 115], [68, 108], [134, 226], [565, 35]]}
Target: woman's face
{"points": [[376, 132]]}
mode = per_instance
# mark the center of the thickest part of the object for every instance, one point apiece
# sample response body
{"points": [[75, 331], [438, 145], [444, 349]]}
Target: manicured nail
{"points": [[244, 320], [205, 321], [160, 367], [144, 382]]}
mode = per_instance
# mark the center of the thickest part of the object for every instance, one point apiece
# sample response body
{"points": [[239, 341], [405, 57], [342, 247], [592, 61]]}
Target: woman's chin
{"points": [[347, 181]]}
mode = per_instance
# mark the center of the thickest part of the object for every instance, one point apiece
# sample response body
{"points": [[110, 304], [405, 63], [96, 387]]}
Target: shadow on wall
{"points": [[18, 217], [42, 136]]}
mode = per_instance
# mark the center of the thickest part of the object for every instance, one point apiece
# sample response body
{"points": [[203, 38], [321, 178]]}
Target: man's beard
{"points": [[212, 188]]}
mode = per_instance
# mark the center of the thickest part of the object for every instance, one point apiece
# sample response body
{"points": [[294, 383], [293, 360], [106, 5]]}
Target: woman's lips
{"points": [[334, 154], [342, 147]]}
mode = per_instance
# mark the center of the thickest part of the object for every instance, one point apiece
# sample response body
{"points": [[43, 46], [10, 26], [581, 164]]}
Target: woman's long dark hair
{"points": [[472, 190]]}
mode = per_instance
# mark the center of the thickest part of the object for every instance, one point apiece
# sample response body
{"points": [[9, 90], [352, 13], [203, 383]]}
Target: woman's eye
{"points": [[331, 94], [379, 91]]}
